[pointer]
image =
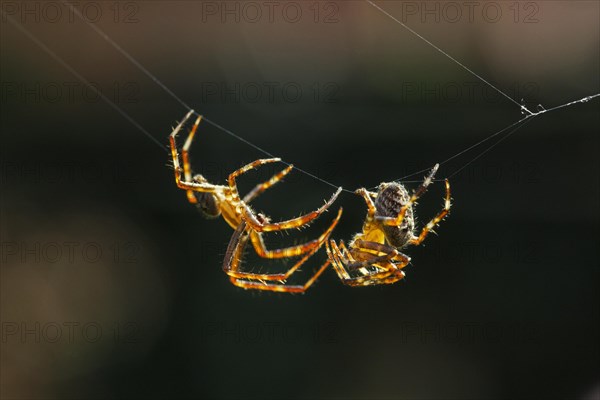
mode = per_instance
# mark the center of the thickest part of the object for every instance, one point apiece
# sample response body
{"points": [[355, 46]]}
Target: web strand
{"points": [[267, 153], [517, 125], [180, 101], [62, 62], [127, 55], [493, 135], [522, 123], [522, 107]]}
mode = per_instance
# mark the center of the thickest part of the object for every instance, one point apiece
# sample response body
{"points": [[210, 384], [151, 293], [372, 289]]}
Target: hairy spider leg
{"points": [[191, 183], [230, 265], [391, 221], [186, 183], [256, 237], [370, 205], [261, 187], [336, 262], [260, 226], [391, 272], [347, 256], [261, 250], [247, 280], [366, 247], [187, 170], [255, 234], [436, 220]]}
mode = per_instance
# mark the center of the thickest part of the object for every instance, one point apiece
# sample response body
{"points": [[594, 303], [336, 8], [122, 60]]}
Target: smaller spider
{"points": [[224, 200], [374, 256]]}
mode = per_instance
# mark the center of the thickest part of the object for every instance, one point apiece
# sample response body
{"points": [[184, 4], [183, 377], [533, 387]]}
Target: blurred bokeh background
{"points": [[111, 283]]}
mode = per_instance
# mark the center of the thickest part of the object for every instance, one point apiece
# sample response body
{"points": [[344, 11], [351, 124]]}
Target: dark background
{"points": [[112, 283]]}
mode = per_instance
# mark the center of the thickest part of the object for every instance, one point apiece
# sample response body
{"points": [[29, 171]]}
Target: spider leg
{"points": [[345, 251], [259, 226], [367, 196], [391, 221], [249, 216], [235, 248], [388, 276], [246, 280], [390, 254], [292, 251], [347, 258], [233, 176], [261, 187], [187, 170], [436, 220], [428, 180], [187, 182], [397, 276], [273, 287], [391, 272], [381, 248], [334, 255], [388, 270], [347, 255]]}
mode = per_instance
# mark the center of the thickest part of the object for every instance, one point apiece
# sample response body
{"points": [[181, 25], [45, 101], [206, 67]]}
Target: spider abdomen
{"points": [[390, 199]]}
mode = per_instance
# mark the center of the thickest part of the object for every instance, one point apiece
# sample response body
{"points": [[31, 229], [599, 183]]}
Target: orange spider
{"points": [[374, 256], [215, 200]]}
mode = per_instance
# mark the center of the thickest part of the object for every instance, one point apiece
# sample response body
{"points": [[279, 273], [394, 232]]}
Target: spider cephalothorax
{"points": [[373, 256], [224, 200]]}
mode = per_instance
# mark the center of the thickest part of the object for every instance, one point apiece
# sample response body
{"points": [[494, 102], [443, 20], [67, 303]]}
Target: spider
{"points": [[374, 256], [216, 200]]}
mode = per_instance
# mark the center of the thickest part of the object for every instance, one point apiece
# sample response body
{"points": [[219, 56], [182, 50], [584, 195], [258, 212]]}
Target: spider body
{"points": [[224, 200], [373, 255], [391, 197], [208, 204]]}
